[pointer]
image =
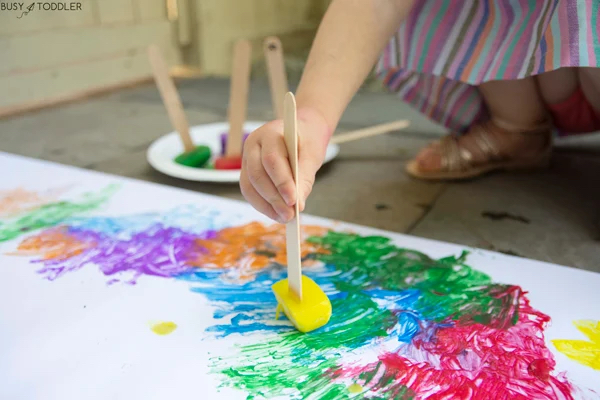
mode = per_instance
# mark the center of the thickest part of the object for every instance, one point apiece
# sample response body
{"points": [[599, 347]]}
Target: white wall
{"points": [[47, 56]]}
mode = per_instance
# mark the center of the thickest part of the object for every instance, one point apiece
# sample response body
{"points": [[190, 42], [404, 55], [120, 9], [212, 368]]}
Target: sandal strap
{"points": [[455, 157], [485, 144]]}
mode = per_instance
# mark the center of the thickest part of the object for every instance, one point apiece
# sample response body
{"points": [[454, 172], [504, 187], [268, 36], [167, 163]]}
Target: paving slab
{"points": [[86, 133], [549, 216], [366, 108]]}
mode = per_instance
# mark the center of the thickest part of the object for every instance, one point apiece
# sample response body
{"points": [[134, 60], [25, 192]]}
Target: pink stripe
{"points": [[387, 58], [489, 56], [428, 24], [394, 82], [565, 56], [526, 49], [421, 93], [459, 58], [590, 36], [437, 114], [426, 103], [467, 116], [433, 100], [444, 95], [451, 102], [411, 82], [496, 55], [503, 50], [463, 96], [473, 109], [547, 36], [411, 93]]}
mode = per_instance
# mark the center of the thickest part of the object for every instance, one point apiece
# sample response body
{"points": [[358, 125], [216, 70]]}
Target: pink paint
{"points": [[470, 361]]}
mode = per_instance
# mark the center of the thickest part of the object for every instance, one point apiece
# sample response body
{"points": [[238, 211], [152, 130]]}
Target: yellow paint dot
{"points": [[164, 328], [355, 388]]}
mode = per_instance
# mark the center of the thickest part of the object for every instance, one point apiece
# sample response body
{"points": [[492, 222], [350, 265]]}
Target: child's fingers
{"points": [[308, 166], [263, 185], [277, 165], [252, 196]]}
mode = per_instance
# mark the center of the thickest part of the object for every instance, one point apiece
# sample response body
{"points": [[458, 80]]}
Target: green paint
{"points": [[52, 214], [196, 158], [257, 373], [381, 382], [450, 289], [301, 361], [299, 365]]}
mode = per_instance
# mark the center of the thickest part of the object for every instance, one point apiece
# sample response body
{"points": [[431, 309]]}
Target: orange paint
{"points": [[252, 247], [15, 201], [52, 244]]}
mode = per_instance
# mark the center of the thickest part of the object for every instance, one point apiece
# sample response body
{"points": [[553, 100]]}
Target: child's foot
{"points": [[484, 148]]}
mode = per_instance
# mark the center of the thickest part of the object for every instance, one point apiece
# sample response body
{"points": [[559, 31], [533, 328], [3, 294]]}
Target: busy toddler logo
{"points": [[23, 9]]}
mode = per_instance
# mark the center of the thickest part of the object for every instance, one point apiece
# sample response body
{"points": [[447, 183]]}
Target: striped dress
{"points": [[445, 47]]}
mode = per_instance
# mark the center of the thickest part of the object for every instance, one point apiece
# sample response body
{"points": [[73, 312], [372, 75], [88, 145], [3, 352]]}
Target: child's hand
{"points": [[266, 179]]}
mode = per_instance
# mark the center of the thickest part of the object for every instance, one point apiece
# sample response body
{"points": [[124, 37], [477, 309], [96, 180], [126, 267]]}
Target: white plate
{"points": [[162, 152]]}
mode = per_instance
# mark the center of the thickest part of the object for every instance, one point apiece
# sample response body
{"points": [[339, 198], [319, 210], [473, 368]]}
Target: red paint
{"points": [[233, 162], [540, 369], [470, 361]]}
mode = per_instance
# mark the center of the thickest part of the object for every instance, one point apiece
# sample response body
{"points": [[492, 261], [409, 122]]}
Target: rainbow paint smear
{"points": [[404, 325]]}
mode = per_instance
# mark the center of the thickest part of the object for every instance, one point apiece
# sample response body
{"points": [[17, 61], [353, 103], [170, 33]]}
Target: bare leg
{"points": [[590, 84], [513, 105], [556, 86]]}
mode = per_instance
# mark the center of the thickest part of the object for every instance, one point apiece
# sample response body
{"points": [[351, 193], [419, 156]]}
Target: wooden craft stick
{"points": [[238, 96], [170, 96], [292, 229], [276, 72], [370, 131]]}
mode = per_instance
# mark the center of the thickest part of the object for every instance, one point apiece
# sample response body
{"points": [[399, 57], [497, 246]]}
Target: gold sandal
{"points": [[457, 161]]}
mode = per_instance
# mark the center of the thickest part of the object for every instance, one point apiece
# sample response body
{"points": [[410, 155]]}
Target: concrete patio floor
{"points": [[550, 215]]}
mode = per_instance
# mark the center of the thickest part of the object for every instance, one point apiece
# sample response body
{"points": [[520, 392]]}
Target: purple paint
{"points": [[157, 251], [224, 141]]}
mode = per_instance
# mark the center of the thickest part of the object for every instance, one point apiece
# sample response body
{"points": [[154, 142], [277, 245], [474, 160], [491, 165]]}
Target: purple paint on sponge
{"points": [[224, 141]]}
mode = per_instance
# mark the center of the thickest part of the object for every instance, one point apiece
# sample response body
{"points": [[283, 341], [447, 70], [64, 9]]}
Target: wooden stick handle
{"points": [[292, 229], [238, 96], [370, 131], [276, 71], [170, 96]]}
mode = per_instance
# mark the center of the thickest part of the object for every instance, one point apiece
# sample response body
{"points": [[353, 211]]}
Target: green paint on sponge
{"points": [[196, 158]]}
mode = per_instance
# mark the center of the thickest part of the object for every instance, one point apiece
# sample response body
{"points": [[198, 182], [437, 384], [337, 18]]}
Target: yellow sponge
{"points": [[309, 314]]}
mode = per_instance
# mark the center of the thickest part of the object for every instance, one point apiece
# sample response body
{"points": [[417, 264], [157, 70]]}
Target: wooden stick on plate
{"points": [[170, 97], [238, 97], [370, 131], [276, 72]]}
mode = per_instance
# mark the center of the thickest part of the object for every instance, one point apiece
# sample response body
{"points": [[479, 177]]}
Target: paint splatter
{"points": [[18, 200], [586, 352], [164, 328], [47, 214], [404, 325], [354, 388]]}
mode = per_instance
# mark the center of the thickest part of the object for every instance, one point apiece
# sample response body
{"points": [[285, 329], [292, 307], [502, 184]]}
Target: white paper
{"points": [[81, 336]]}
